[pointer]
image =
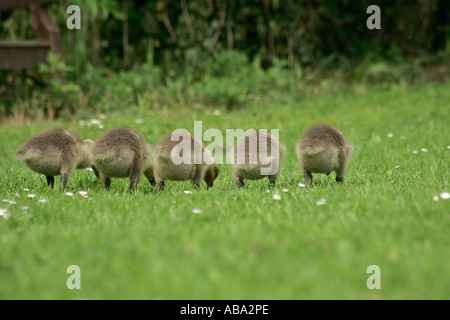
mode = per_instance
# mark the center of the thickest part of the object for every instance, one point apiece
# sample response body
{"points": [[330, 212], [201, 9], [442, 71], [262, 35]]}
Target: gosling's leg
{"points": [[240, 183], [340, 179], [160, 186], [50, 181], [106, 183], [308, 177], [272, 180], [64, 177]]}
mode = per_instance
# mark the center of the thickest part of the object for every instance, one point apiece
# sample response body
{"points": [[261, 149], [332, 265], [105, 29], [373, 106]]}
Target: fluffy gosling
{"points": [[199, 165], [55, 152], [122, 153], [323, 149], [253, 160]]}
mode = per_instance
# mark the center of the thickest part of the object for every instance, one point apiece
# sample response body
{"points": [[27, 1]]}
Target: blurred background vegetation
{"points": [[222, 54]]}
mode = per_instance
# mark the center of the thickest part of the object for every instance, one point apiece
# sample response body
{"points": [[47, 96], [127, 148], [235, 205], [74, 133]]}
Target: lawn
{"points": [[311, 243]]}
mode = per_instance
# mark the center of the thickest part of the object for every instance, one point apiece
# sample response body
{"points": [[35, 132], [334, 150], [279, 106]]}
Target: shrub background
{"points": [[153, 54]]}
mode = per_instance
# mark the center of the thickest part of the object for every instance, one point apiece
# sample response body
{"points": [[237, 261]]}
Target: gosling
{"points": [[122, 153], [56, 152], [254, 160], [323, 149], [186, 158]]}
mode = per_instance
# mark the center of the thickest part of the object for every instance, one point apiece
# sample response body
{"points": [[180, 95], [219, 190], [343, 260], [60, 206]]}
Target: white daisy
{"points": [[321, 202], [444, 195], [196, 211], [4, 213]]}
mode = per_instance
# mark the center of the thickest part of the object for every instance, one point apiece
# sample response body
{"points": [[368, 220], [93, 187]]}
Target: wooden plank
{"points": [[7, 5], [13, 57], [25, 55], [25, 44]]}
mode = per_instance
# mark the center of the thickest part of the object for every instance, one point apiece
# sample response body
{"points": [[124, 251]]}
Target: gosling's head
{"points": [[89, 143], [85, 156], [211, 174], [85, 149]]}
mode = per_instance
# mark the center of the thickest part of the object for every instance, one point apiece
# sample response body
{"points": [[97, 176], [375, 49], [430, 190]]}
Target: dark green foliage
{"points": [[225, 53], [302, 31]]}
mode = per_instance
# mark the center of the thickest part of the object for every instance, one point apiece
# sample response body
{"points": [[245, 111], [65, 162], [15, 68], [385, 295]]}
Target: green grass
{"points": [[245, 244]]}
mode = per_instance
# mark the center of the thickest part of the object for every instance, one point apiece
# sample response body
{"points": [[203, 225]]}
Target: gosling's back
{"points": [[323, 149], [250, 156], [166, 154], [117, 150], [52, 151]]}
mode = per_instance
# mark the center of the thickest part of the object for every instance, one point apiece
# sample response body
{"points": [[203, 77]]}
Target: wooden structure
{"points": [[26, 54]]}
